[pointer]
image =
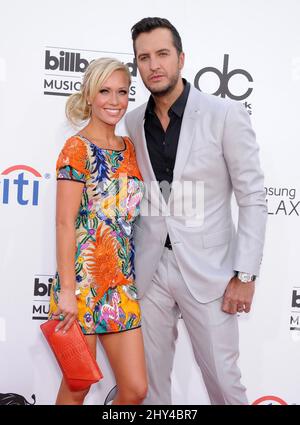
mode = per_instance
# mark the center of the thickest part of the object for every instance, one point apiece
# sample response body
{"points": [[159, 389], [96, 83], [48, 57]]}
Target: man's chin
{"points": [[160, 91]]}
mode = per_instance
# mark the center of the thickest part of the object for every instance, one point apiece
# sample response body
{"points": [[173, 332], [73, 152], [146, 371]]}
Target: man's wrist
{"points": [[245, 277]]}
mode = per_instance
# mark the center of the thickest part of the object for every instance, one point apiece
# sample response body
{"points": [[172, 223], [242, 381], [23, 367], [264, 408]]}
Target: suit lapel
{"points": [[183, 150], [145, 166], [142, 151], [186, 136]]}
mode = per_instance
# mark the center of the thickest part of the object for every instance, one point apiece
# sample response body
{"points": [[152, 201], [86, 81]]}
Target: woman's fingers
{"points": [[57, 313], [65, 323]]}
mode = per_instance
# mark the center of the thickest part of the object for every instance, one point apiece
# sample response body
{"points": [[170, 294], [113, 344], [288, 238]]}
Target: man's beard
{"points": [[167, 89]]}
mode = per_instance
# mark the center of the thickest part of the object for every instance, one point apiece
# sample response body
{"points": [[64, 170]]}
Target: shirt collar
{"points": [[177, 107]]}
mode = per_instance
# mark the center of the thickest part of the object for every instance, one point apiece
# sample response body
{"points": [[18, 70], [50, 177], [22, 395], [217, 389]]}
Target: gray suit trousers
{"points": [[213, 334]]}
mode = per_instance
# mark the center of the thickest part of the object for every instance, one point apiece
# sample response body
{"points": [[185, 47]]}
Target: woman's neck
{"points": [[100, 131]]}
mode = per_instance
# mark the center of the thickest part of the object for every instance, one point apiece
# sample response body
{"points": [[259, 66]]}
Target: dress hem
{"points": [[112, 332]]}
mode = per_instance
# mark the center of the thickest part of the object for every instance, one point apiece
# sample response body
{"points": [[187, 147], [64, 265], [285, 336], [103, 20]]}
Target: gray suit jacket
{"points": [[218, 155]]}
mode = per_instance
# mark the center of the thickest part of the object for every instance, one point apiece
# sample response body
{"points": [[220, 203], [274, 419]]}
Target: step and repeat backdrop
{"points": [[246, 51]]}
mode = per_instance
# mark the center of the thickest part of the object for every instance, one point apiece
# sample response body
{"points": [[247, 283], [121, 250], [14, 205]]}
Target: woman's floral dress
{"points": [[104, 268]]}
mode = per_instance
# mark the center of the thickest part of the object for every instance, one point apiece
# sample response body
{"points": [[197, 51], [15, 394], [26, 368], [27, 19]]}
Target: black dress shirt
{"points": [[161, 144]]}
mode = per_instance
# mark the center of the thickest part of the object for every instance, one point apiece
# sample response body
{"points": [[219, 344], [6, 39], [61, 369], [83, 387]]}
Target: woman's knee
{"points": [[141, 391], [135, 391], [79, 396], [66, 396]]}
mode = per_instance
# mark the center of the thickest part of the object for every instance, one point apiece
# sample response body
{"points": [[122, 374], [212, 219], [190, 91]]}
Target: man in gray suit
{"points": [[190, 259]]}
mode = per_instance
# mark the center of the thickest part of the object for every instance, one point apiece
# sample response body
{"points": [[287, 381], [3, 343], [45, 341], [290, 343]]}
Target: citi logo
{"points": [[16, 186], [270, 400]]}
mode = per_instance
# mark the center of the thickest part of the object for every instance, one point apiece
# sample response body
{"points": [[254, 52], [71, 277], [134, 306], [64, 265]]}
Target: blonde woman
{"points": [[99, 190]]}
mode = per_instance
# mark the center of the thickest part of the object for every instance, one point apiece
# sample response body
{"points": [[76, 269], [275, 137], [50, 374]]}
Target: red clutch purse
{"points": [[73, 355]]}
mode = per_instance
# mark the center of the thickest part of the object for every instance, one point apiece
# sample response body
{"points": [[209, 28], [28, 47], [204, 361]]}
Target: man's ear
{"points": [[181, 59]]}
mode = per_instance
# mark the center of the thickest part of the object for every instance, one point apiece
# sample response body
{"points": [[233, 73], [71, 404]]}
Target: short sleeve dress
{"points": [[104, 256]]}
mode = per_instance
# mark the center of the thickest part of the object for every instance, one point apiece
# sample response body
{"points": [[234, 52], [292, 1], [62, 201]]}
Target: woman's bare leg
{"points": [[125, 352]]}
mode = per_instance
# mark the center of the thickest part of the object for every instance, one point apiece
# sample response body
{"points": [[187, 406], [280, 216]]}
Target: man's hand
{"points": [[238, 296]]}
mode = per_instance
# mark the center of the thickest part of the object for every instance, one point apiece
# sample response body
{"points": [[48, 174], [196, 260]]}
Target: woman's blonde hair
{"points": [[78, 109]]}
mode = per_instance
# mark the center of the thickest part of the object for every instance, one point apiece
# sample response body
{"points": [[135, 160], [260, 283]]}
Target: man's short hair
{"points": [[150, 24]]}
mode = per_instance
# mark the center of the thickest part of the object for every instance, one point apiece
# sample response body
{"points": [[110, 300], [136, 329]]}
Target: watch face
{"points": [[245, 277]]}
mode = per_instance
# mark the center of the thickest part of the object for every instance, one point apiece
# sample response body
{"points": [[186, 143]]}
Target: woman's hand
{"points": [[67, 310]]}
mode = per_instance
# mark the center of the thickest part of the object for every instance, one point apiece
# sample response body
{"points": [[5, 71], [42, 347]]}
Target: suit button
{"points": [[167, 170]]}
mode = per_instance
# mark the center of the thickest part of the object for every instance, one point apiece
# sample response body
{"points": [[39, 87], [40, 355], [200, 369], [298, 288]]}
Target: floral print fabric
{"points": [[104, 268]]}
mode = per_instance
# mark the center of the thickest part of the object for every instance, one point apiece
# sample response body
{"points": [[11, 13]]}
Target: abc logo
{"points": [[224, 77]]}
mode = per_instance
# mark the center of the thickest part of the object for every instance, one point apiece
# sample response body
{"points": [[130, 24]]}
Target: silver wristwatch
{"points": [[245, 277]]}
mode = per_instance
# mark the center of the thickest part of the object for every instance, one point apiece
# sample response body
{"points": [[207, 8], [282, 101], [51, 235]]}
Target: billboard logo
{"points": [[20, 183], [41, 293], [64, 69], [296, 298], [66, 61], [295, 311]]}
